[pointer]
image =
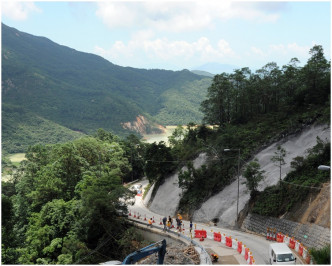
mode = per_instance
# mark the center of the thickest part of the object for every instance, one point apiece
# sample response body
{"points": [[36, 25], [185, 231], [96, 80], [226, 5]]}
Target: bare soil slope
{"points": [[315, 210]]}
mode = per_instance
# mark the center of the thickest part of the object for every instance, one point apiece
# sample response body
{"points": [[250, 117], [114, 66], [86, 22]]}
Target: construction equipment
{"points": [[159, 247]]}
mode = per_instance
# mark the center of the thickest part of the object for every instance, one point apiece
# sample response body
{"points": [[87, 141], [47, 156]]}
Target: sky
{"points": [[178, 35]]}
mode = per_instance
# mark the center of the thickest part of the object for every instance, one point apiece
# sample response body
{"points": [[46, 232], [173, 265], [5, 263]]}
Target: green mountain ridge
{"points": [[84, 92]]}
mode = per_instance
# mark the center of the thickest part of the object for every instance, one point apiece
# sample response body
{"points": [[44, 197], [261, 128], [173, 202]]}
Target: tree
{"points": [[321, 256], [317, 76], [159, 161], [254, 175], [278, 159], [177, 136], [217, 106]]}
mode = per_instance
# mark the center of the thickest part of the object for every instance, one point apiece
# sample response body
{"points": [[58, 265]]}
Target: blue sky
{"points": [[179, 34]]}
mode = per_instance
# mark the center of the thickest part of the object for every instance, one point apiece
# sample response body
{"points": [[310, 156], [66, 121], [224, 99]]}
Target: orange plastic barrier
{"points": [[291, 243], [246, 254], [307, 260], [217, 237], [200, 233], [268, 234], [228, 242], [279, 237], [301, 250], [239, 247]]}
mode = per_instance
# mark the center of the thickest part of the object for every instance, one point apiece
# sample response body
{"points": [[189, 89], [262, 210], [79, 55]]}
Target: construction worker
{"points": [[164, 223], [214, 257], [169, 225], [150, 222]]}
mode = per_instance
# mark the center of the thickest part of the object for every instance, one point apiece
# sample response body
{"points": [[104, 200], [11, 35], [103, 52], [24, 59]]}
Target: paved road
{"points": [[257, 244]]}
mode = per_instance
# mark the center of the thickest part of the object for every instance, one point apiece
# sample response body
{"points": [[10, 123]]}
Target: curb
{"points": [[204, 256]]}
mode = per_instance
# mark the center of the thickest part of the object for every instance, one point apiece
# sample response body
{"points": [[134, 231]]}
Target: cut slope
{"points": [[168, 196], [223, 205]]}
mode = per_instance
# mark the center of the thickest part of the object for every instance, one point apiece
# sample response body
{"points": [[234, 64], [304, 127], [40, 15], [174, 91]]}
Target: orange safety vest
{"points": [[150, 221]]}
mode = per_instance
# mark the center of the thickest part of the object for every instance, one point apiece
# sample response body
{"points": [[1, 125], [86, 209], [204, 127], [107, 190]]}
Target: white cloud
{"points": [[280, 53], [116, 14], [162, 50], [18, 10], [179, 16]]}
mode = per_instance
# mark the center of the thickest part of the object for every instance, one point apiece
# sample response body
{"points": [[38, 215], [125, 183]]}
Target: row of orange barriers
{"points": [[229, 242], [291, 242]]}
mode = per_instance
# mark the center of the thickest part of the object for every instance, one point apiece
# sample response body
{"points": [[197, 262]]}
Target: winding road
{"points": [[257, 244]]}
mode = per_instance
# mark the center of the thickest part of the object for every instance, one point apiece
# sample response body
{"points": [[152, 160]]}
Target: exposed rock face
{"points": [[142, 126]]}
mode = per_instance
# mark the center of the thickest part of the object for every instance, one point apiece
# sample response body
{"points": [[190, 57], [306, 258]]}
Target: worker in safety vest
{"points": [[214, 257], [169, 225], [150, 222]]}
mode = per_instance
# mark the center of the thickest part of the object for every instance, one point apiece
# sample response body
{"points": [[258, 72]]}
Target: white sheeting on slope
{"points": [[168, 195], [223, 205]]}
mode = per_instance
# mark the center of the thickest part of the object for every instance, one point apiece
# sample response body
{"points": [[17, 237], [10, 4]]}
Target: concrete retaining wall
{"points": [[310, 235]]}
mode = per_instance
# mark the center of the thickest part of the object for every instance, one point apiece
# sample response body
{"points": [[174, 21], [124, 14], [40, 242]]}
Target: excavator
{"points": [[159, 247]]}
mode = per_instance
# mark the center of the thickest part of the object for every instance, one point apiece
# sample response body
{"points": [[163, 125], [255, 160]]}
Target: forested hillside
{"points": [[84, 92]]}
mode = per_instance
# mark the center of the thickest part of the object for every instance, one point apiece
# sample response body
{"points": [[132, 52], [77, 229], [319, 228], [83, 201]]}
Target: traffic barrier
{"points": [[246, 254], [239, 247], [286, 240], [200, 233], [243, 249], [297, 245], [129, 213], [301, 250], [153, 221], [291, 243], [144, 217], [134, 214], [305, 253], [210, 235], [251, 259], [249, 255], [217, 237], [280, 237], [268, 234], [308, 259], [223, 239], [234, 244], [160, 221], [228, 241], [274, 238]]}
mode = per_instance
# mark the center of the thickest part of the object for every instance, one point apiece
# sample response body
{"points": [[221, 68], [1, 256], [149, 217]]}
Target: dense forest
{"points": [[64, 204]]}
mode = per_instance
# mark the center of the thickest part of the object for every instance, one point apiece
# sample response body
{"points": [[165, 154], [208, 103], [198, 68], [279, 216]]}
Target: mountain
{"points": [[215, 68], [83, 92], [203, 73]]}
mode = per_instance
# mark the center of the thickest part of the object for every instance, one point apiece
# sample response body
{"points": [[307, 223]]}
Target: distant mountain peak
{"points": [[216, 68]]}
